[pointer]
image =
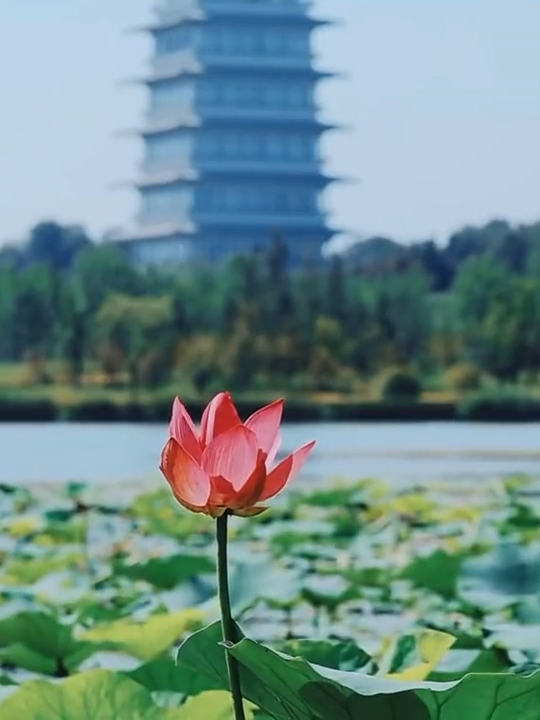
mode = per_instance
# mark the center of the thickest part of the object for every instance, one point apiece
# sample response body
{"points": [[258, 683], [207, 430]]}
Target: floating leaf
{"points": [[501, 578], [167, 573], [438, 572], [29, 570], [146, 640], [213, 705], [430, 646], [95, 695], [38, 642]]}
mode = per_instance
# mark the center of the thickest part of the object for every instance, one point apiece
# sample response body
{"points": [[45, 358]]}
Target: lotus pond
{"points": [[378, 602]]}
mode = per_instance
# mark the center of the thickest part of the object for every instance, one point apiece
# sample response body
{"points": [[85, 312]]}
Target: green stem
{"points": [[227, 622]]}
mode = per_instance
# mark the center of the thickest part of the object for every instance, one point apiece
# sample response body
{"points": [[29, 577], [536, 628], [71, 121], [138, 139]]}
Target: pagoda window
{"points": [[170, 95], [174, 40]]}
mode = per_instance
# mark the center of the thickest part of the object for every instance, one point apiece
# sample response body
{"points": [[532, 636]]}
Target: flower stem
{"points": [[227, 622]]}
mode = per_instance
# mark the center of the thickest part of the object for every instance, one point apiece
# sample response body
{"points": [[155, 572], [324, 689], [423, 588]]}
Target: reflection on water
{"points": [[397, 452]]}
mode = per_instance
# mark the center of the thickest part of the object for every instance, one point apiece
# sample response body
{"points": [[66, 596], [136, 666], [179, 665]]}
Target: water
{"points": [[400, 453]]}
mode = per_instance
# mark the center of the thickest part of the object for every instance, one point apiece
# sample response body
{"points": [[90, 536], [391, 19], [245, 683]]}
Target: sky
{"points": [[439, 99]]}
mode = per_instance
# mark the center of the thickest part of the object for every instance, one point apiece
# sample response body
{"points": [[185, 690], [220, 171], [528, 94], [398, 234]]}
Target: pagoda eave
{"points": [[213, 65], [160, 26], [189, 122], [194, 122], [227, 14], [164, 75], [161, 231], [166, 179]]}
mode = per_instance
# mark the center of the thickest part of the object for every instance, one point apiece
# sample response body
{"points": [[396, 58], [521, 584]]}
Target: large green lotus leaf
{"points": [[486, 697], [311, 692], [167, 573], [289, 689], [163, 676], [200, 662], [95, 695], [438, 572], [292, 689], [339, 655], [146, 640]]}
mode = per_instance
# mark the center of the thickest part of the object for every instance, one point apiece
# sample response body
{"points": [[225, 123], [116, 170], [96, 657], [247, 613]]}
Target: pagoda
{"points": [[231, 136]]}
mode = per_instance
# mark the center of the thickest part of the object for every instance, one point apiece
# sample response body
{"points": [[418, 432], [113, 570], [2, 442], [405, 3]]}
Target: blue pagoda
{"points": [[231, 136]]}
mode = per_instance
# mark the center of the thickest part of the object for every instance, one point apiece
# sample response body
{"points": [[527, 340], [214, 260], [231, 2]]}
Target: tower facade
{"points": [[231, 136]]}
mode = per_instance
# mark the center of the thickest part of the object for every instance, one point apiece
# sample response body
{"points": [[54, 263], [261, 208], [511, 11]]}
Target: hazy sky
{"points": [[441, 103]]}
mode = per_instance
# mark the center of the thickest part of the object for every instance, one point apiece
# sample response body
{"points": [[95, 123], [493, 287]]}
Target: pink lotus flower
{"points": [[229, 465]]}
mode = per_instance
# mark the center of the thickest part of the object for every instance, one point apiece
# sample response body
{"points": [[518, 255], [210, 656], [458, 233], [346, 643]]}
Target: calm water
{"points": [[401, 453]]}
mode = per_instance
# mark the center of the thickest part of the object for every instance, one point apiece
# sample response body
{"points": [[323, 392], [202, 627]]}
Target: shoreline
{"points": [[21, 409]]}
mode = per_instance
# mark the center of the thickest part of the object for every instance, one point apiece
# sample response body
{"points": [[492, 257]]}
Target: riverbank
{"points": [[147, 408]]}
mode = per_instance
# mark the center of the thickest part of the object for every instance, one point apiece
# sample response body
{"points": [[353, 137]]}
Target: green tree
{"points": [[140, 328], [482, 283], [8, 284], [34, 318], [56, 245], [402, 313], [103, 270]]}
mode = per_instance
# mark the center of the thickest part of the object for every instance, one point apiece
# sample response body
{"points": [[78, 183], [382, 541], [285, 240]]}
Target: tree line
{"points": [[461, 312]]}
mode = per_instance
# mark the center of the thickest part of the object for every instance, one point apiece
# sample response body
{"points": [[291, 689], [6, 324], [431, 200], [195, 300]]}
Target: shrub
{"points": [[37, 372], [21, 409], [154, 368], [504, 407], [463, 377], [401, 385], [96, 411]]}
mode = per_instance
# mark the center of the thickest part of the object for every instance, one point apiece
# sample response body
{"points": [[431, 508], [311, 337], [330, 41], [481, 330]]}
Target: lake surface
{"points": [[400, 453]]}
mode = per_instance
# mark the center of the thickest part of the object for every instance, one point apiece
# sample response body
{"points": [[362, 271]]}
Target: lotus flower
{"points": [[229, 465]]}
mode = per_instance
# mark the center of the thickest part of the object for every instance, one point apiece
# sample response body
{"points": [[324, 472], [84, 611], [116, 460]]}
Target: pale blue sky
{"points": [[442, 101]]}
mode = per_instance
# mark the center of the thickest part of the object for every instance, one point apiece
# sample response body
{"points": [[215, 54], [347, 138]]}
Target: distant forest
{"points": [[458, 316]]}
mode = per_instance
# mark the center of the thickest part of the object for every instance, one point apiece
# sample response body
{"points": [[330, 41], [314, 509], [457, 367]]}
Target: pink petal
{"points": [[265, 424], [219, 416], [221, 493], [285, 471], [273, 452], [250, 493], [182, 429], [232, 455], [188, 481]]}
